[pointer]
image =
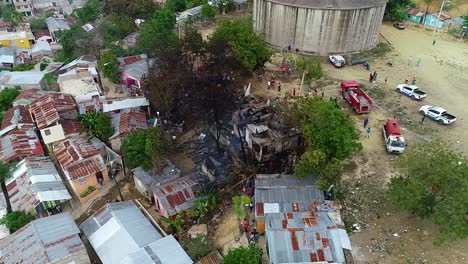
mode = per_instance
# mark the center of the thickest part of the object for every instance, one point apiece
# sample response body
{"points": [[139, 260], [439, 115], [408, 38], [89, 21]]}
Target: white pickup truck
{"points": [[437, 114], [411, 91], [337, 61]]}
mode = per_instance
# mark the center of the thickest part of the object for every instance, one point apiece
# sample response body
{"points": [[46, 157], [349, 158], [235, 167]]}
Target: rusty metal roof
{"points": [[44, 240], [28, 96], [17, 116], [33, 181], [46, 110], [176, 196], [18, 144], [79, 158], [71, 127], [212, 258], [305, 237], [126, 122]]}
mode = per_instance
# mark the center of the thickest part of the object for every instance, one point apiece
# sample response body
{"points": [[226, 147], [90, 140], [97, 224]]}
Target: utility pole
{"points": [[302, 82], [440, 11]]}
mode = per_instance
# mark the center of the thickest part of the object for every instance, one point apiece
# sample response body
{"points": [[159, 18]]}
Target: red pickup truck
{"points": [[356, 97]]}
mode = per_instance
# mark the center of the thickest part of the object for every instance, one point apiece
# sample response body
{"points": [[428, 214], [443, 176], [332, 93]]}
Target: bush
{"points": [[197, 247], [23, 67], [15, 220], [244, 255], [43, 66], [88, 191], [313, 68]]}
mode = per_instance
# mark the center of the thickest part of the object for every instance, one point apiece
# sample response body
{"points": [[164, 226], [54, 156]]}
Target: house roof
{"points": [[305, 237], [46, 109], [71, 127], [83, 62], [56, 24], [28, 96], [44, 240], [110, 105], [176, 196], [132, 36], [17, 116], [7, 55], [212, 258], [19, 143], [21, 78], [79, 158], [35, 180], [443, 15], [278, 193], [5, 24], [117, 230], [78, 83], [41, 48], [148, 178], [41, 33], [126, 122], [163, 251], [415, 11], [4, 35], [135, 66]]}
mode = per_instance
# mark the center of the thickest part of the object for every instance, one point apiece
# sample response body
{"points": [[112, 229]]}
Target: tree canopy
{"points": [[312, 67], [90, 11], [330, 138], [158, 33], [245, 255], [15, 220], [249, 47], [5, 172], [147, 149], [134, 9], [7, 96], [9, 14], [37, 24], [109, 65], [432, 182], [396, 9], [97, 125], [208, 11]]}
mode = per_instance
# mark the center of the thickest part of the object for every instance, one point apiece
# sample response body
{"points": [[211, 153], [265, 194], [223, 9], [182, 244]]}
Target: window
{"points": [[82, 181], [434, 111], [47, 132]]}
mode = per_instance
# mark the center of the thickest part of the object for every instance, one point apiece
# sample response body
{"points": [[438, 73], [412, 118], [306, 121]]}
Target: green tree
{"points": [[7, 96], [5, 172], [37, 24], [396, 9], [432, 182], [330, 138], [312, 67], [15, 220], [134, 9], [9, 14], [196, 247], [147, 148], [244, 255], [239, 202], [175, 224], [90, 11], [109, 65], [208, 11], [249, 47], [158, 32], [176, 5], [465, 17], [97, 125], [205, 202]]}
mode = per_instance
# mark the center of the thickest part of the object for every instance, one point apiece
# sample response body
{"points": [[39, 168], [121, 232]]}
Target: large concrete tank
{"points": [[320, 27]]}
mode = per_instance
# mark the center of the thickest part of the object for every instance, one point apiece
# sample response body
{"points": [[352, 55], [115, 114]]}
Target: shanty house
{"points": [[434, 20], [113, 105], [49, 109], [43, 35], [16, 117], [144, 180], [19, 144], [54, 239], [120, 233], [7, 58], [83, 166], [28, 96], [56, 25], [65, 128], [41, 50], [23, 79], [133, 70], [35, 187], [78, 84], [17, 39], [265, 142], [84, 63], [415, 15], [125, 123], [175, 197]]}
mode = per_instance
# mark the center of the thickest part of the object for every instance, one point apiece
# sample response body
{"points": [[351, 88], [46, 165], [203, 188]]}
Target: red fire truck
{"points": [[356, 97]]}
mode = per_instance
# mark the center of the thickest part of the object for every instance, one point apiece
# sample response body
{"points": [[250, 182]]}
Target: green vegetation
{"points": [[7, 96], [249, 47], [5, 172], [205, 202], [465, 17], [379, 51], [197, 247], [97, 125], [244, 255], [330, 138], [14, 221], [175, 224], [147, 148], [158, 32], [109, 65], [133, 9], [24, 67], [88, 191], [239, 202], [396, 9], [432, 183], [9, 14], [37, 24], [90, 11], [312, 67], [208, 12]]}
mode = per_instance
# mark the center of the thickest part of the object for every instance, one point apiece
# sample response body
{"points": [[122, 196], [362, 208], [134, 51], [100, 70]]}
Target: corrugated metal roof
{"points": [[33, 181], [176, 196], [56, 24], [110, 105], [19, 144], [164, 251], [28, 96], [46, 110], [19, 117], [212, 258], [169, 173], [11, 79], [305, 237], [126, 122], [45, 240], [117, 230]]}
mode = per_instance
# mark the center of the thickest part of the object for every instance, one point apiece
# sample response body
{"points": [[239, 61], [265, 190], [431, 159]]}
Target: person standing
{"points": [[279, 86], [423, 119], [414, 81], [368, 132], [294, 92], [385, 80], [418, 62], [410, 60], [407, 80], [370, 77], [374, 77], [366, 121], [269, 84], [433, 42]]}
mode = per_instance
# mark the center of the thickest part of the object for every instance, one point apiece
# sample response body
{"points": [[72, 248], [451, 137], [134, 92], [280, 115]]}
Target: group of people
{"points": [[288, 49], [410, 61], [372, 77], [413, 82], [253, 236]]}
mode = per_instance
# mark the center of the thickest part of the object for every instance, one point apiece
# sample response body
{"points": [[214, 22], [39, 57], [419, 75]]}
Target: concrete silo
{"points": [[320, 27]]}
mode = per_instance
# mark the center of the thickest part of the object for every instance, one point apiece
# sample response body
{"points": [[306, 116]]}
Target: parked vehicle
{"points": [[337, 61], [358, 99], [358, 61], [394, 141], [411, 91], [399, 25], [437, 114]]}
